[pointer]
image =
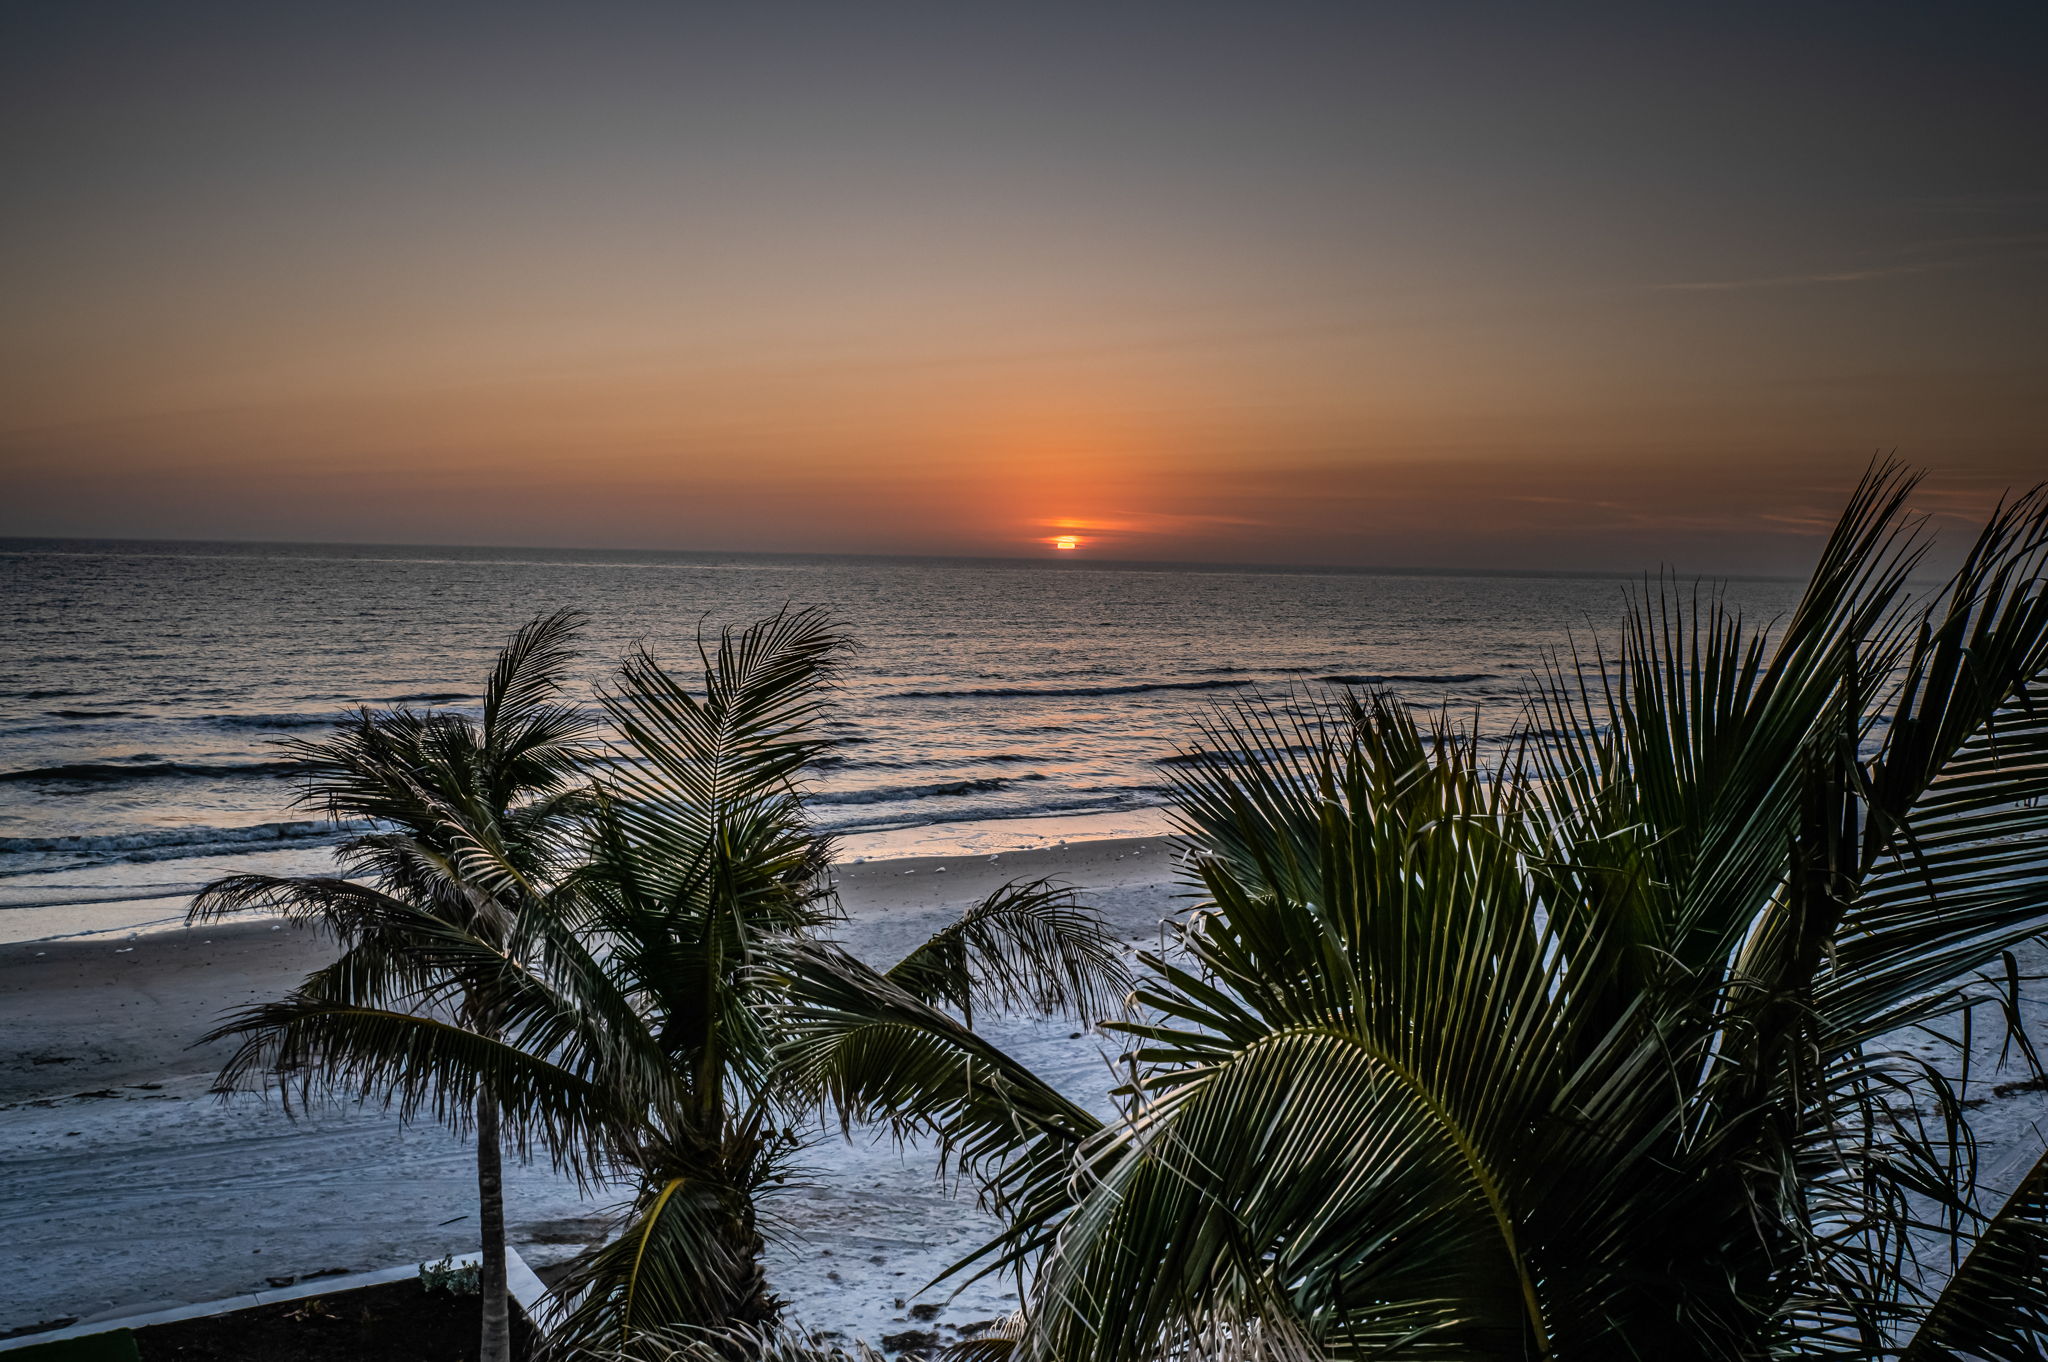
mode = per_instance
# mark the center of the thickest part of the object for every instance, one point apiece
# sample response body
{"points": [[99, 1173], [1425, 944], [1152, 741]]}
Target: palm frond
{"points": [[1029, 944], [1288, 1183], [1995, 1307], [1954, 849], [687, 1249], [528, 675], [674, 1261], [344, 907], [698, 763], [865, 1047], [311, 1049]]}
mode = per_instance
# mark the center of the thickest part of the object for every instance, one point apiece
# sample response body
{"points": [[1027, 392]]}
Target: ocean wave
{"points": [[1016, 692], [431, 696], [91, 714], [1123, 791], [833, 761], [271, 721], [1239, 758], [177, 841], [1249, 671], [109, 772], [1400, 679], [981, 811], [889, 794]]}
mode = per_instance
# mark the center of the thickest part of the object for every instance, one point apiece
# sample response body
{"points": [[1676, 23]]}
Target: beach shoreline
{"points": [[130, 1186], [111, 914]]}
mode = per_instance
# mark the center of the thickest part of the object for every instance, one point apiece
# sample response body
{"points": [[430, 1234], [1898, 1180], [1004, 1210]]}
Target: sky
{"points": [[1439, 285]]}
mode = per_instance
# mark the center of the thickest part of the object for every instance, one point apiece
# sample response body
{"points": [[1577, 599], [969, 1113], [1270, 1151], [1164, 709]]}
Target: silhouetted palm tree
{"points": [[608, 966], [1587, 1051], [704, 881], [700, 855], [444, 914]]}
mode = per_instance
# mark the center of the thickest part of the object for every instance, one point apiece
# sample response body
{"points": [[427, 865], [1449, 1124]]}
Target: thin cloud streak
{"points": [[1801, 280], [1858, 276]]}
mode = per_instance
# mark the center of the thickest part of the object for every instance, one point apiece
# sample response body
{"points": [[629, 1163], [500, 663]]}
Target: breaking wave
{"points": [[273, 721], [118, 771], [179, 841], [1009, 692], [890, 794], [1398, 679]]}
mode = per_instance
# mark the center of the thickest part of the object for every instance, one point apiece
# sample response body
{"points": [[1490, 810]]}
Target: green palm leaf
{"points": [[416, 1065], [1995, 1307], [867, 1048], [1027, 945]]}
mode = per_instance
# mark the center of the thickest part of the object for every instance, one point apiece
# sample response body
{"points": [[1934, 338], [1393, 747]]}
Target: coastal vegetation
{"points": [[1648, 1032], [437, 911], [596, 957]]}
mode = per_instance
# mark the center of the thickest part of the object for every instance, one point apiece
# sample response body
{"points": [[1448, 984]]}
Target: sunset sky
{"points": [[1451, 284]]}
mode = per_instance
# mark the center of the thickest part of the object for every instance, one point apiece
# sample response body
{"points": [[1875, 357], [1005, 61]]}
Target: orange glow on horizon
{"points": [[1067, 541]]}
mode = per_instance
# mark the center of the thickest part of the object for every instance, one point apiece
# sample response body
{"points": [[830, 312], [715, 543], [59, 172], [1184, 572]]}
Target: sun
{"points": [[1067, 541]]}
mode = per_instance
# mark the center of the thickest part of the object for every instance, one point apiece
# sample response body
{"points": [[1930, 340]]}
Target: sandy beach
{"points": [[129, 1186]]}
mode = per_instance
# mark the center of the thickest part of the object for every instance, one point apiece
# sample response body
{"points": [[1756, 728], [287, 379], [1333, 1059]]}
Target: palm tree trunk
{"points": [[496, 1343]]}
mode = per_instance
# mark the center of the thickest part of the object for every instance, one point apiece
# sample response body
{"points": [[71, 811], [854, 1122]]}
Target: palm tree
{"points": [[445, 917], [703, 882], [1589, 1049], [612, 978], [700, 855]]}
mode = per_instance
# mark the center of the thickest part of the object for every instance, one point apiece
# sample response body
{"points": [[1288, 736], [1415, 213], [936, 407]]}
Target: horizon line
{"points": [[1067, 562]]}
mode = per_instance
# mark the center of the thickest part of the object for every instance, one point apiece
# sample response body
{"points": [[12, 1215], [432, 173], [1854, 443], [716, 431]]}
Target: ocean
{"points": [[992, 703]]}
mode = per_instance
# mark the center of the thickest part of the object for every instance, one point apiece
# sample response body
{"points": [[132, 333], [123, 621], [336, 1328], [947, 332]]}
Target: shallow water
{"points": [[145, 684]]}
